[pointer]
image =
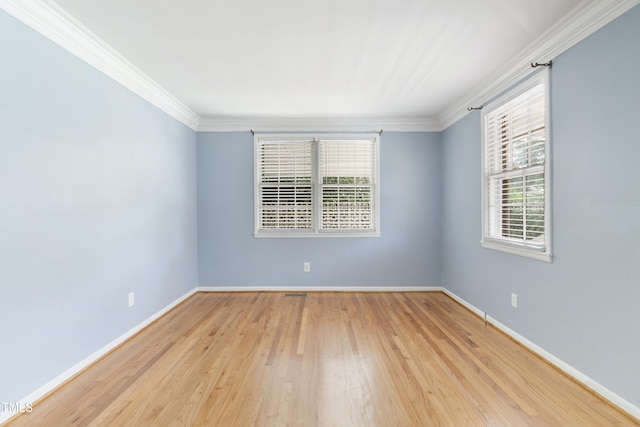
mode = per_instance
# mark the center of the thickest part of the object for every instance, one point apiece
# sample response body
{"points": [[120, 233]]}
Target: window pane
{"points": [[512, 197], [286, 162], [347, 162], [535, 207], [346, 207], [287, 207]]}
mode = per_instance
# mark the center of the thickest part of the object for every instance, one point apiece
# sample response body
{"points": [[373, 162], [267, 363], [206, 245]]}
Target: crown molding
{"points": [[50, 20], [319, 124], [585, 19]]}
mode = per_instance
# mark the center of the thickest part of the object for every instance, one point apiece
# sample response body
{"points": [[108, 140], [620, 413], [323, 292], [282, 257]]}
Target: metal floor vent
{"points": [[303, 295]]}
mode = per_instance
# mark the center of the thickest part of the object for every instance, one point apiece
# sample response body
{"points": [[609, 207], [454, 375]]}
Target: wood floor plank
{"points": [[330, 359]]}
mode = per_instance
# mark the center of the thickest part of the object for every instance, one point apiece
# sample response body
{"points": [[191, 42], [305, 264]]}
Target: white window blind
{"points": [[515, 170], [347, 184], [286, 181], [323, 185]]}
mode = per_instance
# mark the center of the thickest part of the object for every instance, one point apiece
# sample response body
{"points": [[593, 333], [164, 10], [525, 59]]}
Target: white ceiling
{"points": [[296, 59]]}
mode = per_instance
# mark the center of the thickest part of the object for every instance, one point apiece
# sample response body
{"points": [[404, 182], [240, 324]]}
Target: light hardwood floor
{"points": [[331, 359]]}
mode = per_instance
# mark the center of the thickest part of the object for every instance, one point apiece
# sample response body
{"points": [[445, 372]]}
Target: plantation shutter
{"points": [[347, 180], [515, 144], [285, 185]]}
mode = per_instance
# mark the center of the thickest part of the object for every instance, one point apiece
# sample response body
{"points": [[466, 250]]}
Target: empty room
{"points": [[320, 213]]}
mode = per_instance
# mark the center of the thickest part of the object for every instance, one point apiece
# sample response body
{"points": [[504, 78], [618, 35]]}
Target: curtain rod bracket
{"points": [[544, 64], [475, 108]]}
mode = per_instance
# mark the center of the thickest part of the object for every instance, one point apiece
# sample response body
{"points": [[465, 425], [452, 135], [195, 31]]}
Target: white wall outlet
{"points": [[307, 267], [514, 300], [132, 299]]}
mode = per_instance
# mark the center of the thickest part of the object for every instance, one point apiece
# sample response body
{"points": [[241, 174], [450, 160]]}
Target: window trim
{"points": [[316, 231], [519, 248]]}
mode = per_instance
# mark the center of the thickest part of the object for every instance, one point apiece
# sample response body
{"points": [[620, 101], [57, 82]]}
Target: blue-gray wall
{"points": [[583, 307], [407, 253], [97, 199]]}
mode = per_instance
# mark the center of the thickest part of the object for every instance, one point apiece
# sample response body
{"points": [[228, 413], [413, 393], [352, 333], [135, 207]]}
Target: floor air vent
{"points": [[304, 295]]}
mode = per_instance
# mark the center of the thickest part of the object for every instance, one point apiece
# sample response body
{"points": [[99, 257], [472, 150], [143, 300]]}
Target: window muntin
{"points": [[323, 185], [515, 171]]}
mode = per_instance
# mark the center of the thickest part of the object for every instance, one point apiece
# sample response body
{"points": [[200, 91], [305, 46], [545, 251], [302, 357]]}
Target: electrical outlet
{"points": [[132, 299], [514, 300], [307, 267]]}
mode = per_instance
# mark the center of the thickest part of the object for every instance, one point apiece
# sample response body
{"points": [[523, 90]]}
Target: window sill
{"points": [[314, 235], [516, 250]]}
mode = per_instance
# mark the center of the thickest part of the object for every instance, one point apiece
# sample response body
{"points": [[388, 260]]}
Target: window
{"points": [[324, 185], [515, 171]]}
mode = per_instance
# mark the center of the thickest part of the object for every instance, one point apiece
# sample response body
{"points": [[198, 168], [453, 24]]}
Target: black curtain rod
{"points": [[254, 133]]}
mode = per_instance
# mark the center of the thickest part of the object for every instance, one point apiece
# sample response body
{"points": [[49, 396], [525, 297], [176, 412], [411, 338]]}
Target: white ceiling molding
{"points": [[320, 124], [585, 19], [47, 18], [53, 22]]}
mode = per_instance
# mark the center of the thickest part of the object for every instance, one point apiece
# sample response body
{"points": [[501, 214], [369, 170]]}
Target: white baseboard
{"points": [[87, 361], [560, 364], [319, 289]]}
